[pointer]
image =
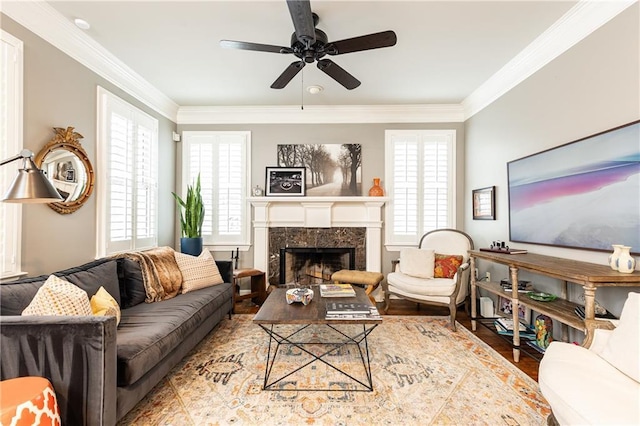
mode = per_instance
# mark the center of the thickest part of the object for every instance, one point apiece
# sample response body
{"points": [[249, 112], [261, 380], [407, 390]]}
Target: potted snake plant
{"points": [[191, 218]]}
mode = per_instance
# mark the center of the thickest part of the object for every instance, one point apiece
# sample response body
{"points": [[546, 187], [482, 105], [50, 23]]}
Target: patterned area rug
{"points": [[423, 374]]}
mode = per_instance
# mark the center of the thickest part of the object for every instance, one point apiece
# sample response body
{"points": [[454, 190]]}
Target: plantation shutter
{"points": [[419, 177], [127, 212], [221, 160]]}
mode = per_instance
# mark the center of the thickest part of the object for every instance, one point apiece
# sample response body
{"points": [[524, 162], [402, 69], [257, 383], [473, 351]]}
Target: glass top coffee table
{"points": [[305, 330]]}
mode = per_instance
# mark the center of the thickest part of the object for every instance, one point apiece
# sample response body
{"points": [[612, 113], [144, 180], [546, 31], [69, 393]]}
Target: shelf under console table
{"points": [[589, 275]]}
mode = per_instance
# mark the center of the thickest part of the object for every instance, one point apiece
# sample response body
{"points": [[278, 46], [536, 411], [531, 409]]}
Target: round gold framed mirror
{"points": [[67, 166]]}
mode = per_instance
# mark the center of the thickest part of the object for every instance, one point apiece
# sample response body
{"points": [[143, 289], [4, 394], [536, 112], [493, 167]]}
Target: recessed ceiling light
{"points": [[314, 90], [82, 24]]}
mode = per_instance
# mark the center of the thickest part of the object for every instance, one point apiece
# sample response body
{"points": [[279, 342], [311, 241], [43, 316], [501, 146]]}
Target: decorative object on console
{"points": [[557, 183], [286, 181], [302, 295], [376, 190], [544, 331], [191, 219], [257, 191], [484, 203], [625, 262], [336, 169], [68, 168], [613, 257]]}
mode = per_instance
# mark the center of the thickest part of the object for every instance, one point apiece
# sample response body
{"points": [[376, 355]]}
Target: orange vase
{"points": [[376, 190]]}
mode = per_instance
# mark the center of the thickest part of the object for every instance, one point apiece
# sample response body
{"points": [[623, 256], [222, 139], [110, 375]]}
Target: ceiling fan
{"points": [[310, 44]]}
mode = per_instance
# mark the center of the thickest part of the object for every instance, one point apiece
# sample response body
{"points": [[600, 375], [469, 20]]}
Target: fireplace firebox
{"points": [[314, 265]]}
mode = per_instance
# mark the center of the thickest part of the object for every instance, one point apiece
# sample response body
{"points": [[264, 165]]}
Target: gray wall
{"points": [[591, 88], [60, 92], [265, 138]]}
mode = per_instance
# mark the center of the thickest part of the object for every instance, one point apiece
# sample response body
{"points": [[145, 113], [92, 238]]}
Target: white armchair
{"points": [[426, 276]]}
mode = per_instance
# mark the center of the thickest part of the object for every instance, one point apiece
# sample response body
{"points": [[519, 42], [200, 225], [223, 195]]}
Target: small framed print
{"points": [[484, 203], [505, 305], [286, 181]]}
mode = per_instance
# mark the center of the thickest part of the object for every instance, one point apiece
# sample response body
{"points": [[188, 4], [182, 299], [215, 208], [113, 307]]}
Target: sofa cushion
{"points": [[59, 297], [583, 388], [132, 283], [421, 287], [93, 275], [15, 296], [197, 272], [103, 304], [150, 331], [417, 262]]}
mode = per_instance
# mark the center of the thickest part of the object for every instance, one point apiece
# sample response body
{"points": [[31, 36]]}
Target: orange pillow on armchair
{"points": [[446, 265]]}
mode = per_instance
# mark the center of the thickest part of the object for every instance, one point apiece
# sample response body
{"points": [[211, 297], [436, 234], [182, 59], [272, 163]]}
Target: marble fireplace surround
{"points": [[320, 220]]}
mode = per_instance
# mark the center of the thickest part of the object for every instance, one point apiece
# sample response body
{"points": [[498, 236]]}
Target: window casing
{"points": [[127, 185], [420, 181], [11, 95], [221, 158]]}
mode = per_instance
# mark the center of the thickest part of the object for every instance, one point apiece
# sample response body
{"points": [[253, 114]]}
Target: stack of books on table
{"points": [[337, 290], [504, 326], [344, 310], [523, 286]]}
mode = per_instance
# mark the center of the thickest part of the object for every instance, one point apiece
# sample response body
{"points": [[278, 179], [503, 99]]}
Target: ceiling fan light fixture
{"points": [[314, 89]]}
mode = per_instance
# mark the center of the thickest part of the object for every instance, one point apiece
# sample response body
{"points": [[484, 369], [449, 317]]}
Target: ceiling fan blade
{"points": [[244, 45], [288, 74], [334, 71], [302, 18], [365, 42]]}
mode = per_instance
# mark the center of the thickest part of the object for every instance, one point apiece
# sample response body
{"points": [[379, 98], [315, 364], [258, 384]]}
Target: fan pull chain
{"points": [[302, 89]]}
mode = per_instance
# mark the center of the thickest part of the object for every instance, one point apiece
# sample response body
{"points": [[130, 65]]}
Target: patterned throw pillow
{"points": [[103, 304], [198, 272], [446, 265], [59, 297]]}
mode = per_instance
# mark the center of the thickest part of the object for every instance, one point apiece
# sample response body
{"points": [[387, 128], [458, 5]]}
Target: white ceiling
{"points": [[445, 50]]}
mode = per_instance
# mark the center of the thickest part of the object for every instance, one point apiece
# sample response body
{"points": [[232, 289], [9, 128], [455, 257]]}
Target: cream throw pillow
{"points": [[103, 304], [623, 347], [59, 297], [198, 272], [417, 262]]}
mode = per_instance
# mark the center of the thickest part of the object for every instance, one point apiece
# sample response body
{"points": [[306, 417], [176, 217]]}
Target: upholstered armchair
{"points": [[435, 273]]}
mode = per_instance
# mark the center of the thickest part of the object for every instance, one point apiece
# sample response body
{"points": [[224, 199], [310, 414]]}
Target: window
{"points": [[221, 159], [127, 187], [420, 180], [11, 53]]}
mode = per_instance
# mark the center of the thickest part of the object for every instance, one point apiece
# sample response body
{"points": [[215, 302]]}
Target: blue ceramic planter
{"points": [[192, 246]]}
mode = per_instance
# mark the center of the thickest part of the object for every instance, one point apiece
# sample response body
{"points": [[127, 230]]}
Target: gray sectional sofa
{"points": [[100, 371]]}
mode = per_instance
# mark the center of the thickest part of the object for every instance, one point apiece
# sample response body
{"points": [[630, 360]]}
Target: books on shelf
{"points": [[507, 324], [505, 328], [579, 310], [535, 346], [337, 290], [523, 286]]}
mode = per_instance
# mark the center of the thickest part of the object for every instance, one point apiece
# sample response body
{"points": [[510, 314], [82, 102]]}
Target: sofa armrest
{"points": [[76, 354], [226, 270]]}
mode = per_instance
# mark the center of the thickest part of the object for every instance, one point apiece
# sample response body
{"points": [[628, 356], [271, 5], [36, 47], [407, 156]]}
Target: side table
{"points": [[258, 292]]}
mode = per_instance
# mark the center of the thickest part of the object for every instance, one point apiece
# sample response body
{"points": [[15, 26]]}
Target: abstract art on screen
{"points": [[585, 194], [332, 169]]}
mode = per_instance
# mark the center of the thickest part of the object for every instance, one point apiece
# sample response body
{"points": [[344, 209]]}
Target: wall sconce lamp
{"points": [[31, 184]]}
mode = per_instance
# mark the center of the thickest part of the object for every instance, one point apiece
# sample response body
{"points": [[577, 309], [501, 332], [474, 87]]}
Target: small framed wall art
{"points": [[484, 203], [285, 181]]}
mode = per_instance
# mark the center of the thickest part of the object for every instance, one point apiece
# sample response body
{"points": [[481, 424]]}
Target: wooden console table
{"points": [[589, 275]]}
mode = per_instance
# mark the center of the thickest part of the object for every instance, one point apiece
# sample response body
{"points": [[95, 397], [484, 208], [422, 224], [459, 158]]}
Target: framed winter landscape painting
{"points": [[585, 194], [331, 169]]}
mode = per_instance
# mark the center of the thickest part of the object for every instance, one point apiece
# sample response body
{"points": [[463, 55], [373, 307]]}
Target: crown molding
{"points": [[293, 114], [46, 22], [575, 25]]}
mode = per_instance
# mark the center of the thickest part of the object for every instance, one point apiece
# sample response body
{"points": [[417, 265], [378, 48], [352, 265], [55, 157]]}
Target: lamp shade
{"points": [[31, 186]]}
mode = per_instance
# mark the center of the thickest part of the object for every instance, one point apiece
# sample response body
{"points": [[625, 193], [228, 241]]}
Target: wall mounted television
{"points": [[584, 194]]}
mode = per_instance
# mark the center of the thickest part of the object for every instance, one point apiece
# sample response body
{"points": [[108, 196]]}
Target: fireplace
{"points": [[314, 265]]}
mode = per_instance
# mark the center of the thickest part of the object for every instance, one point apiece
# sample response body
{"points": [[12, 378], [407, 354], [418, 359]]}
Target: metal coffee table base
{"points": [[359, 340]]}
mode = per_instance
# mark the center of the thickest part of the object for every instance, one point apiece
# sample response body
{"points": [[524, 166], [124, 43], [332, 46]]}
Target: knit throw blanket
{"points": [[160, 273]]}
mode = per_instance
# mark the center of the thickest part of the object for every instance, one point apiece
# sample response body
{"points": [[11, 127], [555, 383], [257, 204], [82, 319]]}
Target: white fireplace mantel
{"points": [[317, 212]]}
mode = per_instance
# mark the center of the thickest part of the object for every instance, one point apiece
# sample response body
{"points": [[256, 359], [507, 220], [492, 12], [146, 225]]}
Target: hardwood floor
{"points": [[402, 307]]}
